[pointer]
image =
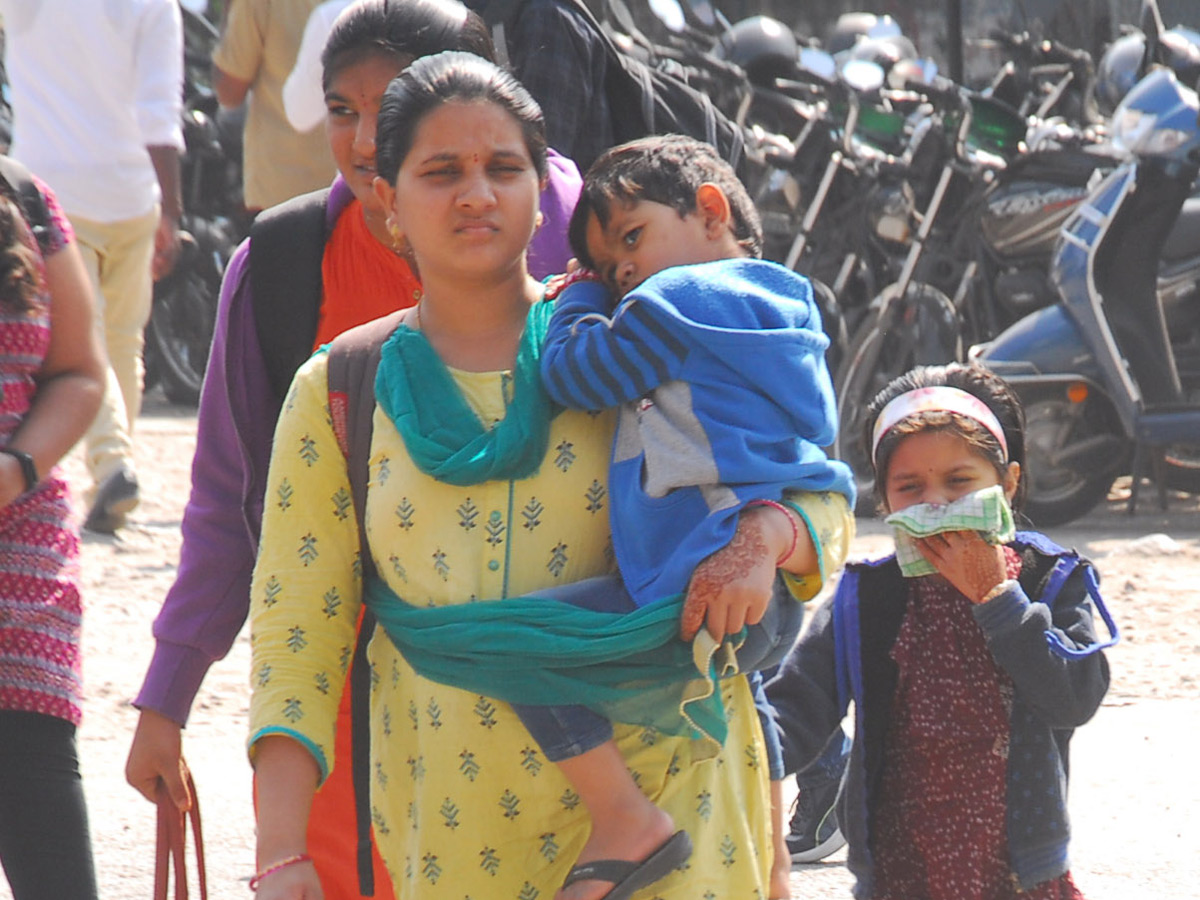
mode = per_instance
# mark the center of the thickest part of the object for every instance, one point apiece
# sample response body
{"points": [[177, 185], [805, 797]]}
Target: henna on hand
{"points": [[717, 593]]}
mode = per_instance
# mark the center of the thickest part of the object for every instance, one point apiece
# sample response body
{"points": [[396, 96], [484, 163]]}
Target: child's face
{"points": [[644, 237], [939, 467]]}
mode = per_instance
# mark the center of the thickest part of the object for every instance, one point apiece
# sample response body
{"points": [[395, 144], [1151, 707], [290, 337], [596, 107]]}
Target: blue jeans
{"points": [[566, 731]]}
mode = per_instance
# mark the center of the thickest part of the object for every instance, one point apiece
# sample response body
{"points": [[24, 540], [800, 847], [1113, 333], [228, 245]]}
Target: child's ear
{"points": [[713, 207], [1012, 478]]}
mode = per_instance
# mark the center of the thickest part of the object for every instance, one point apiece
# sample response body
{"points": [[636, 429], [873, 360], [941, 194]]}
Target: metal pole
{"points": [[954, 38]]}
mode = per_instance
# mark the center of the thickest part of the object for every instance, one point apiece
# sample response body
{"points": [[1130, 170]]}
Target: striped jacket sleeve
{"points": [[593, 362]]}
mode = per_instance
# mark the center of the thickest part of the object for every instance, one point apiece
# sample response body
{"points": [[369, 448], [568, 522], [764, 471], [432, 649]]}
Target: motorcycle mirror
{"points": [[703, 10], [862, 75], [818, 62], [885, 26], [670, 13], [912, 71]]}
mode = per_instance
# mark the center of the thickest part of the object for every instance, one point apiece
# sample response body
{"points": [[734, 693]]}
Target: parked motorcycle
{"points": [[184, 310], [1110, 375]]}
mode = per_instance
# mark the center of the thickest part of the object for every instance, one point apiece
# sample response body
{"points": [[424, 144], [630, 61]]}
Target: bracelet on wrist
{"points": [[276, 866], [791, 521], [28, 467]]}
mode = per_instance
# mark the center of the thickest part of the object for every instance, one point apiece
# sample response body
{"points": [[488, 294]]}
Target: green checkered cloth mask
{"points": [[986, 511]]}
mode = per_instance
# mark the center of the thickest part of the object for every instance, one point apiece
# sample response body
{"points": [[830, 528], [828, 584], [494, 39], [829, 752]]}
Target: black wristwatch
{"points": [[28, 469]]}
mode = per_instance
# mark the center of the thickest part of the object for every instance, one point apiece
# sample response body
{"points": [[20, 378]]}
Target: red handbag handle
{"points": [[172, 844]]}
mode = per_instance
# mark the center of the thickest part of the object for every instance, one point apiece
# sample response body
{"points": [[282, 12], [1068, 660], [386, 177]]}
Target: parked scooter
{"points": [[1111, 374]]}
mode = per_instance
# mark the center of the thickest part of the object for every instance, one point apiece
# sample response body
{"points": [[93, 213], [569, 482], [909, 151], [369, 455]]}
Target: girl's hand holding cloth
{"points": [[983, 516]]}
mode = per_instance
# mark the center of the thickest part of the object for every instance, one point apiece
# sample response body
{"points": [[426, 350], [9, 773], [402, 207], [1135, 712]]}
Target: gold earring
{"points": [[399, 243], [538, 220]]}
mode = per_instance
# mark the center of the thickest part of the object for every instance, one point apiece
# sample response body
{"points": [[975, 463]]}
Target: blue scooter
{"points": [[1110, 374]]}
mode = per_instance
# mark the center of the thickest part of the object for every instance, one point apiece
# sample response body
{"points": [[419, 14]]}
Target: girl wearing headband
{"points": [[971, 656]]}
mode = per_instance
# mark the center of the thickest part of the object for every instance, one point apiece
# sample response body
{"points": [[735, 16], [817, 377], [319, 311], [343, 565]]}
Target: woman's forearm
{"points": [[285, 779], [62, 410]]}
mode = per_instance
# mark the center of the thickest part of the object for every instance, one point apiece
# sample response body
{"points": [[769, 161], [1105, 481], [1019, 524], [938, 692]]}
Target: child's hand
{"points": [[732, 587], [966, 560]]}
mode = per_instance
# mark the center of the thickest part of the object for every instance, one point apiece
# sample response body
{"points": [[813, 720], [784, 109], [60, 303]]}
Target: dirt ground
{"points": [[1135, 791]]}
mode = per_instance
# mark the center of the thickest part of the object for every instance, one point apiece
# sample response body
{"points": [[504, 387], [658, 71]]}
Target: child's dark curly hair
{"points": [[666, 169], [984, 384], [20, 271]]}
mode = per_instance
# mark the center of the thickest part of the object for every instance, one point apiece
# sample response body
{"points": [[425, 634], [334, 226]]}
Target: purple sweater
{"points": [[206, 606]]}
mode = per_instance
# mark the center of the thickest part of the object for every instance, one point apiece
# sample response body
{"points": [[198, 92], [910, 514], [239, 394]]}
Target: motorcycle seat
{"points": [[1184, 240], [1070, 166]]}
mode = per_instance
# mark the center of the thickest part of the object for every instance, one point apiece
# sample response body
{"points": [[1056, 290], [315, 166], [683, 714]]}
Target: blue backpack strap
{"points": [[847, 647], [1068, 561]]}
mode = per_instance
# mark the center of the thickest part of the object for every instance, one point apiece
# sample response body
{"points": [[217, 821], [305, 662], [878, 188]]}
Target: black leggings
{"points": [[44, 842]]}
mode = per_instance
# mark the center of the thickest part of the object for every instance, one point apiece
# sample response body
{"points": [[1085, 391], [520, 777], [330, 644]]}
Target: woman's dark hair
{"points": [[435, 80], [982, 383], [666, 169], [405, 29], [20, 270]]}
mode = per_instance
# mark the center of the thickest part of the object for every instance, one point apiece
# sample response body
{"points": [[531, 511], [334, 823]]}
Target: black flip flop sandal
{"points": [[628, 877]]}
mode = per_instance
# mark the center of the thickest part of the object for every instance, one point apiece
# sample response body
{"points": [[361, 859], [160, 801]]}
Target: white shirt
{"points": [[95, 82], [303, 98]]}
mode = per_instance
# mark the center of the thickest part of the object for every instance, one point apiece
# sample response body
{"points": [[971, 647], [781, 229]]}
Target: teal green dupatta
{"points": [[443, 435], [630, 667]]}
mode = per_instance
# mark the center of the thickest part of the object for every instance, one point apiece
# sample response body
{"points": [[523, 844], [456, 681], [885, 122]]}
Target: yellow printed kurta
{"points": [[463, 802]]}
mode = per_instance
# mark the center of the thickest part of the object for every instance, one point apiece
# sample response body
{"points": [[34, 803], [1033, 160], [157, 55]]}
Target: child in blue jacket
{"points": [[715, 360]]}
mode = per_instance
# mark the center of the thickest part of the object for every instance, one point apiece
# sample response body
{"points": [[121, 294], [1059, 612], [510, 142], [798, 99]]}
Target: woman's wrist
{"points": [[284, 862], [781, 531]]}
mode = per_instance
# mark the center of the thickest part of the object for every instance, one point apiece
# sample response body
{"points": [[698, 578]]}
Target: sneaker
{"points": [[814, 832], [116, 496]]}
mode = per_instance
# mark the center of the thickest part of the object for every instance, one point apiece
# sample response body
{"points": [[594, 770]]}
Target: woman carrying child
{"points": [[463, 803], [363, 274], [970, 654]]}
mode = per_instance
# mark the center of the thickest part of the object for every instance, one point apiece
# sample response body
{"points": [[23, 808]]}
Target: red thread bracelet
{"points": [[791, 521], [275, 867]]}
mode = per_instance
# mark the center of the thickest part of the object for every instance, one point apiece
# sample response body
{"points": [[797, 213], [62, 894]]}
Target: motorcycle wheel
{"points": [[922, 329], [181, 329], [1060, 491], [1183, 468], [151, 366], [832, 321]]}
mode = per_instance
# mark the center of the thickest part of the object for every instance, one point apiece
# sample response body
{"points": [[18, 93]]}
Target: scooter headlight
{"points": [[1130, 127], [1135, 132]]}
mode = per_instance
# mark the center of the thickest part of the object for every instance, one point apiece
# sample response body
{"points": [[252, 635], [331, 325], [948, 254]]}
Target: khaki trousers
{"points": [[118, 256]]}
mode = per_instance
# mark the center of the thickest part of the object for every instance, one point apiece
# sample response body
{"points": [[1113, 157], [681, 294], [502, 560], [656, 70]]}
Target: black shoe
{"points": [[116, 496], [814, 832]]}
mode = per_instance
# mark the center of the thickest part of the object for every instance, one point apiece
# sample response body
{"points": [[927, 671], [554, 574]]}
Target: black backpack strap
{"points": [[287, 246], [353, 360], [33, 205]]}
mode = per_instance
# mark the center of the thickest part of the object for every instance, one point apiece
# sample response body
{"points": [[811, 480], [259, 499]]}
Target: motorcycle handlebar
{"points": [[940, 90]]}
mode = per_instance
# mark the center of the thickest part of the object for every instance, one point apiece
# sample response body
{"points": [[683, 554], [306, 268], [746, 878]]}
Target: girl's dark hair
{"points": [[666, 169], [20, 269], [406, 29], [435, 80], [974, 379]]}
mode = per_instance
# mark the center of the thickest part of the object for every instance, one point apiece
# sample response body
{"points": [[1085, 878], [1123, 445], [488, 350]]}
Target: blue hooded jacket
{"points": [[719, 372]]}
